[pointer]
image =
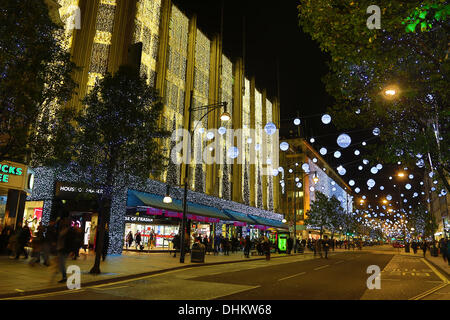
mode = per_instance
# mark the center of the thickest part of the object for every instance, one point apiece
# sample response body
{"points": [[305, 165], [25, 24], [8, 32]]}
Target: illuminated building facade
{"points": [[304, 173], [179, 59]]}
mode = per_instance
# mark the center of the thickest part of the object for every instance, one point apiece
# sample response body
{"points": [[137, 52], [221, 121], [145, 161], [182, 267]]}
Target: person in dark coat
{"points": [[326, 246], [176, 244], [247, 246], [424, 248], [23, 237], [138, 240], [290, 244]]}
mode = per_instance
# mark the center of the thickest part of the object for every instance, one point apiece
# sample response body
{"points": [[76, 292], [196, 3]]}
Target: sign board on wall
{"points": [[13, 175], [71, 190]]}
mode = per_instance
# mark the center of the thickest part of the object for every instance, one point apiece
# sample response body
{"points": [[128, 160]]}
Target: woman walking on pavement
{"points": [[424, 248]]}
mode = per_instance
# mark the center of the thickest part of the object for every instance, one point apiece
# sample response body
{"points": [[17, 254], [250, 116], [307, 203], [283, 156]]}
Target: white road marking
{"points": [[298, 274], [339, 262], [322, 267], [234, 292]]}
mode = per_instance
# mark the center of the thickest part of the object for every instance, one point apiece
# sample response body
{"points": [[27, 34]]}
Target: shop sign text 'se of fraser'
{"points": [[226, 310]]}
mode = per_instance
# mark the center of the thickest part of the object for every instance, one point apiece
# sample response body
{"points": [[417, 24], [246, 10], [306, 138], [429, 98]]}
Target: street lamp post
{"points": [[224, 117]]}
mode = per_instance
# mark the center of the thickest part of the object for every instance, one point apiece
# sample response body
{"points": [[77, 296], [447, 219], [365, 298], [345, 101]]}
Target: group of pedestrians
{"points": [[60, 239], [443, 245]]}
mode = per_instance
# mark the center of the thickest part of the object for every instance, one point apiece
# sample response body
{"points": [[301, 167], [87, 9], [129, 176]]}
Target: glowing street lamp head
{"points": [[225, 117], [315, 179], [390, 92], [401, 174]]}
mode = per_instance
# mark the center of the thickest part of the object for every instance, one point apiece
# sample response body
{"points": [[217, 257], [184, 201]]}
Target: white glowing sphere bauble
{"points": [[371, 183], [284, 146], [222, 131], [323, 151], [376, 132], [344, 140], [337, 154], [297, 122], [351, 183], [270, 128], [210, 135], [233, 152], [326, 119]]}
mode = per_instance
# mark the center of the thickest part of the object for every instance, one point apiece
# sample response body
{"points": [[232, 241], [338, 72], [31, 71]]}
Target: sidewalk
{"points": [[17, 277]]}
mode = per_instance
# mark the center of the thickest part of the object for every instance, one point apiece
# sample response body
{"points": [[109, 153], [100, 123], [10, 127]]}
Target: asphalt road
{"points": [[341, 277]]}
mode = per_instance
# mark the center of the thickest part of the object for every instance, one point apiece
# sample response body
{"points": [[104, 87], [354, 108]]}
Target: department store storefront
{"points": [[16, 182], [139, 207]]}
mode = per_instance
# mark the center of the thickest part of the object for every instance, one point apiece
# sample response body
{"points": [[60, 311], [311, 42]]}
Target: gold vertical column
{"points": [[238, 85], [276, 180], [83, 40], [212, 170], [163, 50], [122, 34], [264, 178], [253, 159], [189, 87]]}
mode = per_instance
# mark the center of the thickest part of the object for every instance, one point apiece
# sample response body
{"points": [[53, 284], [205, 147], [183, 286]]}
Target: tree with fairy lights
{"points": [[394, 78], [35, 74], [324, 213], [116, 139]]}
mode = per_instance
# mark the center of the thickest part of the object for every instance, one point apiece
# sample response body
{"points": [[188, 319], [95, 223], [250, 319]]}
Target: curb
{"points": [[442, 271], [128, 277]]}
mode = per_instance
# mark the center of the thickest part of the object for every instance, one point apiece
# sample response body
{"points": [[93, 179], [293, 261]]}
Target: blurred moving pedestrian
{"points": [[63, 247], [23, 237], [318, 247], [266, 247], [326, 246], [36, 245]]}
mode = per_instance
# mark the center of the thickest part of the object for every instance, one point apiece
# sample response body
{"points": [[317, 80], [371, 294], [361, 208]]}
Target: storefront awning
{"points": [[238, 216], [136, 198], [269, 222]]}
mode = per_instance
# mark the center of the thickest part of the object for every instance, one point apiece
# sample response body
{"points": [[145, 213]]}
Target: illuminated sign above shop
{"points": [[6, 170], [137, 219], [68, 190], [13, 175]]}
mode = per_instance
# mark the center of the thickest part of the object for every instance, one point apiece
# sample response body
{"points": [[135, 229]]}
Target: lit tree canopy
{"points": [[410, 61], [35, 72]]}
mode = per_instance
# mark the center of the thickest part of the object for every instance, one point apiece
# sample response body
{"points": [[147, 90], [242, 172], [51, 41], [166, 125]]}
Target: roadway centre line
{"points": [[298, 274], [327, 265]]}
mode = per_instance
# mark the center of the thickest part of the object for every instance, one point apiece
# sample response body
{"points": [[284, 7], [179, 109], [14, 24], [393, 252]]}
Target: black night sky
{"points": [[272, 34]]}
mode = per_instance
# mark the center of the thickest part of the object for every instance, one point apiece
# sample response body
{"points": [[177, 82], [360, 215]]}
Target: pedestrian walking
{"points": [[138, 240], [326, 246], [23, 237], [36, 245], [424, 248], [63, 246], [176, 244], [129, 240], [443, 248], [318, 247], [247, 246], [414, 246], [290, 244]]}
